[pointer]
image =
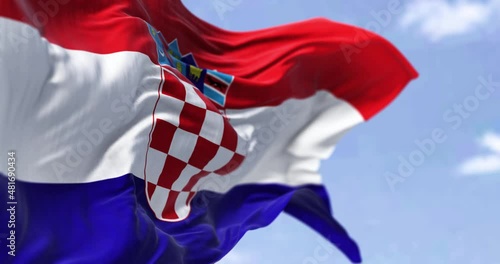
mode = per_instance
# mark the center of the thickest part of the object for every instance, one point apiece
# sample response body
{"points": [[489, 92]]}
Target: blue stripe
{"points": [[110, 222], [215, 96], [228, 79]]}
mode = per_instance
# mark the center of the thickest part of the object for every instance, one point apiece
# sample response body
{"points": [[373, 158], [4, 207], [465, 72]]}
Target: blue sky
{"points": [[446, 210]]}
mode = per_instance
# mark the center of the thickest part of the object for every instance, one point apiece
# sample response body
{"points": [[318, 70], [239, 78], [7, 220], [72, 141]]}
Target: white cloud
{"points": [[484, 164], [437, 19], [492, 141]]}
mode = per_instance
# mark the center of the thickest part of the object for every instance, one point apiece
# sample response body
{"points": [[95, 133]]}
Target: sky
{"points": [[402, 207]]}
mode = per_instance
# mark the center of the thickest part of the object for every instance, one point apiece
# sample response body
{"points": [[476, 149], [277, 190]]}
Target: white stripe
{"points": [[83, 117], [287, 142], [74, 116]]}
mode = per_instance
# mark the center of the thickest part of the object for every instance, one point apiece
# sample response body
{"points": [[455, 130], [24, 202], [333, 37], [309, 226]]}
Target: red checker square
{"points": [[229, 137], [191, 118], [190, 197], [151, 189], [171, 171], [162, 136], [177, 73], [203, 152], [172, 86], [232, 165], [169, 210], [194, 180]]}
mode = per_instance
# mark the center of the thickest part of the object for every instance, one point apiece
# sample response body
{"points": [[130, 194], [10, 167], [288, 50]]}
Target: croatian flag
{"points": [[134, 132]]}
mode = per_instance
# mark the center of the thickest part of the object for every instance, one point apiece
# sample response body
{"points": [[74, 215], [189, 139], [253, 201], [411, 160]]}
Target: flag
{"points": [[135, 132]]}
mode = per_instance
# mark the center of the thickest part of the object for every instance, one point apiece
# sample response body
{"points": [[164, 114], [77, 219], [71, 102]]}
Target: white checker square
{"points": [[213, 127], [169, 109], [192, 97], [181, 209], [182, 145], [159, 200], [184, 178], [156, 161], [222, 157]]}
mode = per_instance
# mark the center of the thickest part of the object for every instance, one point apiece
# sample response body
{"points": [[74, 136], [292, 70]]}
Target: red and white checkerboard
{"points": [[190, 140]]}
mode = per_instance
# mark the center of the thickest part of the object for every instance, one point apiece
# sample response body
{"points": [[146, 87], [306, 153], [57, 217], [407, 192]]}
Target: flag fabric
{"points": [[138, 133]]}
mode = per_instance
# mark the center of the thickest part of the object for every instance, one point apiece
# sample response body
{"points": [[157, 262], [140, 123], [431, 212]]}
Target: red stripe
{"points": [[292, 61], [269, 65], [97, 26]]}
